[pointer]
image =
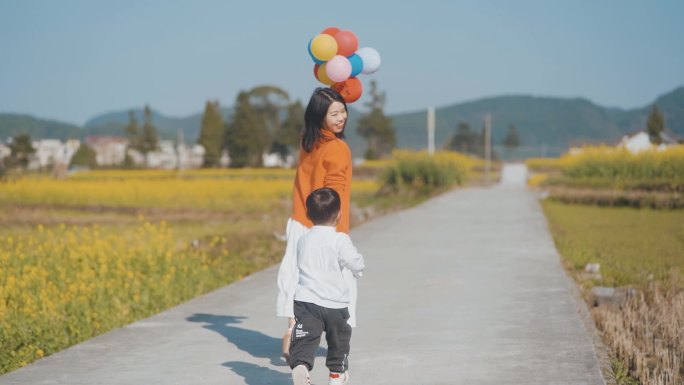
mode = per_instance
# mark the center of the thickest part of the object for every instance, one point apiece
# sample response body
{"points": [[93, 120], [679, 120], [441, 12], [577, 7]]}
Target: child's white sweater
{"points": [[322, 254]]}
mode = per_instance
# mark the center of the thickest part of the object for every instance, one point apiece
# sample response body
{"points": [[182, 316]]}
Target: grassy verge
{"points": [[638, 248]]}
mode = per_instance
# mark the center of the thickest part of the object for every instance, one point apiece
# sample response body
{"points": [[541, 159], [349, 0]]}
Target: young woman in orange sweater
{"points": [[324, 161]]}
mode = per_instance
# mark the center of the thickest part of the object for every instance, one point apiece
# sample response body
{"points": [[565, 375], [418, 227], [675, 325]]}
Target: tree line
{"points": [[266, 121], [467, 141]]}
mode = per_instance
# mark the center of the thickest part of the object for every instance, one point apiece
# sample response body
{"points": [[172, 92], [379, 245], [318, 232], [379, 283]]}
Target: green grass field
{"points": [[633, 246]]}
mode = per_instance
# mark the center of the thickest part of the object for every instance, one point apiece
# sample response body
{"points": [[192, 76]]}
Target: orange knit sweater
{"points": [[329, 164]]}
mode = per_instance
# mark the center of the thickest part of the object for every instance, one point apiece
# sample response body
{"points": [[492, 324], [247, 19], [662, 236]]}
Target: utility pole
{"points": [[180, 141], [488, 145], [431, 130]]}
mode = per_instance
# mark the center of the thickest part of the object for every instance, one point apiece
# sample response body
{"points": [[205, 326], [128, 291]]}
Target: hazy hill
{"points": [[14, 124], [167, 127], [554, 123], [542, 122]]}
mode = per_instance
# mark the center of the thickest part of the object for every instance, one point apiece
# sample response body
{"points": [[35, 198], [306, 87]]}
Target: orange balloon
{"points": [[331, 31], [350, 89], [347, 43]]}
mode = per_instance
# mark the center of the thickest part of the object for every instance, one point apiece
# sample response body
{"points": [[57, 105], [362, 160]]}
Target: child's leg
{"points": [[306, 334], [286, 338], [338, 334]]}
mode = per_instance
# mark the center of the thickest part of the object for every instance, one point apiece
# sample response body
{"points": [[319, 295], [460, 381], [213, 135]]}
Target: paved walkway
{"points": [[466, 288]]}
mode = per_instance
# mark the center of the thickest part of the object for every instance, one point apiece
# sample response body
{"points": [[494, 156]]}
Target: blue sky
{"points": [[71, 60]]}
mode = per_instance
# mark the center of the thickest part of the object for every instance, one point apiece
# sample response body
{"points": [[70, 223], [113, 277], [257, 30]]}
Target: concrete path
{"points": [[466, 288]]}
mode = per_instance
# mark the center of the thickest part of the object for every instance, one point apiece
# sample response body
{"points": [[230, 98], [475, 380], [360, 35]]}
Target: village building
{"points": [[640, 141]]}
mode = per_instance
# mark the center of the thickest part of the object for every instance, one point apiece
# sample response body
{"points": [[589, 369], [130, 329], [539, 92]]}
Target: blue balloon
{"points": [[319, 62], [357, 64]]}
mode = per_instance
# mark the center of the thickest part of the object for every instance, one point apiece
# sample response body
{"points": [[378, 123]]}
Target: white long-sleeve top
{"points": [[322, 255]]}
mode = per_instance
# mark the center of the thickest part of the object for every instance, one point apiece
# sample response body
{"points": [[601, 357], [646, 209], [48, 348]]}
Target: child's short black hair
{"points": [[323, 205]]}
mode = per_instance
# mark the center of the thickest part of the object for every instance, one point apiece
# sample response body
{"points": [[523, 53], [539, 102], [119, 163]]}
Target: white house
{"points": [[637, 142], [170, 156], [641, 141], [164, 157], [5, 151], [274, 160], [194, 156], [109, 150], [52, 152]]}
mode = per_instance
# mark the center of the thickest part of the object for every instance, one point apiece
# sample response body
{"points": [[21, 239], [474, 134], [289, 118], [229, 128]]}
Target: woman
{"points": [[324, 161]]}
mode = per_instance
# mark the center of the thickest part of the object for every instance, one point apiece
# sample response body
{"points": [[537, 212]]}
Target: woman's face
{"points": [[335, 118]]}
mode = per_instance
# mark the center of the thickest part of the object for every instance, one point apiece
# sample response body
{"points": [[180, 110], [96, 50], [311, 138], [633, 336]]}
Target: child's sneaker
{"points": [[300, 375], [338, 378]]}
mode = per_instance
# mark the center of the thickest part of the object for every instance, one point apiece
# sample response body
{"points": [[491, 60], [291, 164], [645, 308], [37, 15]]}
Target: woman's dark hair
{"points": [[322, 205], [314, 116]]}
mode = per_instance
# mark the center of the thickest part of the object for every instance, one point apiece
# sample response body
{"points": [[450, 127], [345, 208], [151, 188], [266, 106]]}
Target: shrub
{"points": [[417, 172]]}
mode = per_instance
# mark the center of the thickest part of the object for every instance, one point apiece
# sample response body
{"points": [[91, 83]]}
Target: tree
{"points": [[288, 136], [655, 125], [21, 149], [268, 103], [212, 134], [512, 140], [243, 140], [84, 156], [132, 131], [464, 140], [377, 128], [468, 142], [149, 140]]}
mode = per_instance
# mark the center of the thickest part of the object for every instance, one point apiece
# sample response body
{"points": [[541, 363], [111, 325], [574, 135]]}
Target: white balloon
{"points": [[370, 58]]}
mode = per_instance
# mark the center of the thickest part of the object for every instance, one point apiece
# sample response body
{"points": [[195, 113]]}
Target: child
{"points": [[322, 295]]}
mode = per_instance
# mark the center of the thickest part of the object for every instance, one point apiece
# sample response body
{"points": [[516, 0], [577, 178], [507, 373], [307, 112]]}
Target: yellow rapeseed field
{"points": [[612, 162], [615, 162], [60, 284], [266, 173], [247, 190], [219, 194]]}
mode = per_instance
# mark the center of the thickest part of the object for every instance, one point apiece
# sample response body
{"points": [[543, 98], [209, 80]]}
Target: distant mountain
{"points": [[14, 124], [167, 127], [554, 123], [550, 123]]}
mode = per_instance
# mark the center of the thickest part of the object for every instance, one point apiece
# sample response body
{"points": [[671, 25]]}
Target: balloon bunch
{"points": [[339, 60]]}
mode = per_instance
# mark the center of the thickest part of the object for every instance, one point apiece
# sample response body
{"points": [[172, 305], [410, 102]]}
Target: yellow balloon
{"points": [[323, 76], [324, 47]]}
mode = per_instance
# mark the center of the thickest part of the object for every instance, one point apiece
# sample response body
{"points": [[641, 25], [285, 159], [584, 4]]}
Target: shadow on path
{"points": [[255, 343], [258, 375]]}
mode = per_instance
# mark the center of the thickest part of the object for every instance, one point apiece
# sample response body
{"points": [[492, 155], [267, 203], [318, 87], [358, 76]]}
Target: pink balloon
{"points": [[338, 68]]}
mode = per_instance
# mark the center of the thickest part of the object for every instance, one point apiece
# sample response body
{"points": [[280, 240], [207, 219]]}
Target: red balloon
{"points": [[347, 43], [316, 66], [350, 89], [331, 31]]}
